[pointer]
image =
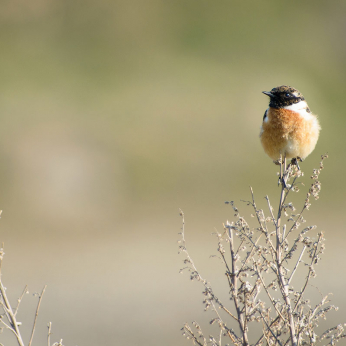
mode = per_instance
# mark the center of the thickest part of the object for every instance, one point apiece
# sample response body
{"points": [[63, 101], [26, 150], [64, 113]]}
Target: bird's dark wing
{"points": [[265, 114]]}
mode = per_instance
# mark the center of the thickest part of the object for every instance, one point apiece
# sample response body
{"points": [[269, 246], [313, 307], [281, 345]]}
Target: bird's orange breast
{"points": [[289, 133]]}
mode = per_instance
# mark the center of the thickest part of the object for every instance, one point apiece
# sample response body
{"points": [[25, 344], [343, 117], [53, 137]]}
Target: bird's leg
{"points": [[280, 163], [284, 174], [283, 170]]}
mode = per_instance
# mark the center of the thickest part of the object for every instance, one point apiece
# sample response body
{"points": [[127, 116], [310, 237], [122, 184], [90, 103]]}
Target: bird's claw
{"points": [[295, 160]]}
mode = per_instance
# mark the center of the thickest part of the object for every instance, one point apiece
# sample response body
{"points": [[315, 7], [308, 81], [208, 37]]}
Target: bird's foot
{"points": [[294, 162], [278, 162]]}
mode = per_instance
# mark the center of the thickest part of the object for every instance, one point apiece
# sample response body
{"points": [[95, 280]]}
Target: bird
{"points": [[289, 130]]}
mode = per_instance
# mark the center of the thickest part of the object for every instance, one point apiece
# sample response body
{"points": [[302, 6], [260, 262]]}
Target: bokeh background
{"points": [[115, 114]]}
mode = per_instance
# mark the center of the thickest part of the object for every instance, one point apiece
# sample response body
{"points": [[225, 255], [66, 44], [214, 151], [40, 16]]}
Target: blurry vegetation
{"points": [[113, 114], [268, 280]]}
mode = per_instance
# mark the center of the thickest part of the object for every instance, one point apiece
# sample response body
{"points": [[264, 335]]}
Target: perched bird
{"points": [[289, 128]]}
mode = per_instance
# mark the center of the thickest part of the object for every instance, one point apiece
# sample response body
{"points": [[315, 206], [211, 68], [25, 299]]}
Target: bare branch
{"points": [[266, 253], [36, 314], [296, 266], [10, 315], [20, 299]]}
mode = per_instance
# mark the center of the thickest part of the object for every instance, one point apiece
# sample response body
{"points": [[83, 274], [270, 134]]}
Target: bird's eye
{"points": [[288, 95]]}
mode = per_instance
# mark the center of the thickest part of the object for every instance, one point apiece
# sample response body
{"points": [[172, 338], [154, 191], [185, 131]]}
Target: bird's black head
{"points": [[283, 96]]}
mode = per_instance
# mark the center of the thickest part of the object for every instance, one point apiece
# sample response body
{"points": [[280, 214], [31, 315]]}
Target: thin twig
{"points": [[192, 335], [204, 282], [36, 314], [269, 296], [268, 328], [10, 315], [256, 211], [263, 334], [296, 266], [20, 299], [309, 273], [234, 279], [49, 333], [271, 210], [295, 223], [249, 254]]}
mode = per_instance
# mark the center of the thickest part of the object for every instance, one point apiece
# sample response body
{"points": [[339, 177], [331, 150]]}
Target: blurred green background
{"points": [[115, 114]]}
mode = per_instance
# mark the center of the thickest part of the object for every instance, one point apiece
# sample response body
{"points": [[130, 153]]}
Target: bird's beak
{"points": [[268, 93]]}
